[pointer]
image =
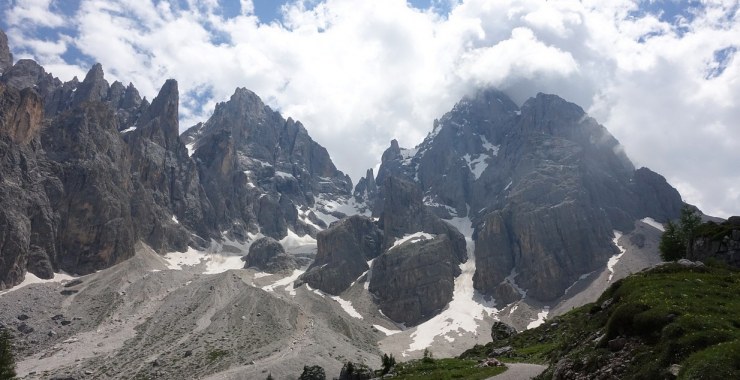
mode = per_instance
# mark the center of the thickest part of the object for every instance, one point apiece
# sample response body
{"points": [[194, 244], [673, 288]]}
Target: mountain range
{"points": [[500, 206]]}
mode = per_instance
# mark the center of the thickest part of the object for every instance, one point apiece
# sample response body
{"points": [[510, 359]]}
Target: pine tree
{"points": [[678, 239], [7, 362]]}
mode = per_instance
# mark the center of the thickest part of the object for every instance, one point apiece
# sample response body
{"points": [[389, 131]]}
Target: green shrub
{"points": [[7, 362], [718, 362]]}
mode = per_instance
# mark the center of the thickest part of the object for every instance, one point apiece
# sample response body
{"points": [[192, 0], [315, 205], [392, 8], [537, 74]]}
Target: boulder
{"points": [[268, 254], [501, 331], [343, 252], [413, 281]]}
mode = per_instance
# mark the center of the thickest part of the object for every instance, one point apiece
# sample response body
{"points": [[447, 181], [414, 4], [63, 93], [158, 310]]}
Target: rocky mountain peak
{"points": [[94, 88], [21, 115], [160, 122], [6, 57]]}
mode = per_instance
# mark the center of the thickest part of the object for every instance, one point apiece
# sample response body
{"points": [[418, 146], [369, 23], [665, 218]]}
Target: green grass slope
{"points": [[670, 322]]}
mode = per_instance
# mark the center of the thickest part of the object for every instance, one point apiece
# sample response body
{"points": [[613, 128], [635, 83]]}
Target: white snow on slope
{"points": [[385, 330], [413, 238], [129, 129], [221, 262], [615, 259], [490, 147], [511, 279], [177, 260], [540, 318], [347, 306], [293, 242], [467, 307], [478, 165], [653, 223], [174, 219], [191, 149], [33, 279], [287, 282]]}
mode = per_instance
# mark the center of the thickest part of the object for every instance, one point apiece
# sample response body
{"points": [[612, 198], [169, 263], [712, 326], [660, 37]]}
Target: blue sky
{"points": [[662, 75]]}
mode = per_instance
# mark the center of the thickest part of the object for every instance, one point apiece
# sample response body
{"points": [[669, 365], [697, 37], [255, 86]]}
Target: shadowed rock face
{"points": [[544, 185], [412, 281], [415, 280], [26, 217], [259, 169], [343, 252], [6, 58], [90, 168], [268, 254]]}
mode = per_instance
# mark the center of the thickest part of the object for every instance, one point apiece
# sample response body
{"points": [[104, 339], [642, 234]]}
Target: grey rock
{"points": [[414, 281], [544, 185], [6, 57], [268, 254], [500, 331], [24, 328], [343, 252], [500, 351]]}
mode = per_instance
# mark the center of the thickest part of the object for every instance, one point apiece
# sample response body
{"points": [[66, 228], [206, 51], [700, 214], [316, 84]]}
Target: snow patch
{"points": [[509, 185], [127, 130], [347, 306], [493, 149], [510, 279], [467, 307], [540, 318], [653, 223], [413, 238], [615, 259], [285, 281], [33, 279], [174, 219], [386, 331], [282, 174], [478, 165], [191, 149], [178, 260]]}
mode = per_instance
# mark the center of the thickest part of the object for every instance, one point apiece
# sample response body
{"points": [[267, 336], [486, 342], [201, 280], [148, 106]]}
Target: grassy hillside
{"points": [[672, 321]]}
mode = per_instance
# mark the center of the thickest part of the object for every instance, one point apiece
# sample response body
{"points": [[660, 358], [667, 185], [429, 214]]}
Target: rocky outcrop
{"points": [[89, 160], [404, 213], [268, 254], [91, 168], [6, 58], [412, 282], [168, 201], [27, 221], [414, 278], [259, 169], [344, 250], [718, 242], [544, 185]]}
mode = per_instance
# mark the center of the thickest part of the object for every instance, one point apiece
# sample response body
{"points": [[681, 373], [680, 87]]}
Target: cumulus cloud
{"points": [[359, 73]]}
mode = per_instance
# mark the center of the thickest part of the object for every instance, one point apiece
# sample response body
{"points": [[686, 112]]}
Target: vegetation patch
{"points": [[444, 369], [671, 321]]}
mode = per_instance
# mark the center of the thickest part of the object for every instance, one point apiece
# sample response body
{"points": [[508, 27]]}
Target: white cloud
{"points": [[33, 12], [359, 73]]}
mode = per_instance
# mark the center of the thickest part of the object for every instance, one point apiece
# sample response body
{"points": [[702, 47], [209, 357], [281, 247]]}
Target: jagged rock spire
{"points": [[6, 58]]}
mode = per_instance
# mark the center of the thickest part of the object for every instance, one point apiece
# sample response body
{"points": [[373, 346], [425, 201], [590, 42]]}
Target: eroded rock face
{"points": [[27, 221], [260, 169], [344, 250], [415, 280], [6, 58], [268, 254], [544, 185]]}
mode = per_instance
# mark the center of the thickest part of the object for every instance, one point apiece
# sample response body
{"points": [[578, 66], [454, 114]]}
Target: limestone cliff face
{"points": [[544, 185], [27, 220], [259, 169], [89, 168], [343, 252], [415, 280]]}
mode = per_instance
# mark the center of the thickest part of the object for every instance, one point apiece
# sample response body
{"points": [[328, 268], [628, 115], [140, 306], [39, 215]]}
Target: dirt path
{"points": [[520, 371]]}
